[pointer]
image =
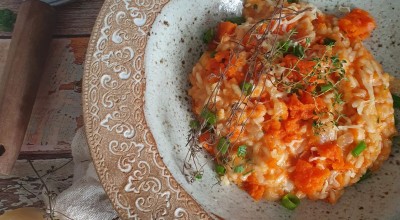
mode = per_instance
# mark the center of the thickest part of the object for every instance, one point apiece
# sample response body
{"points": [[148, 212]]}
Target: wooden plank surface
{"points": [[73, 19], [24, 189], [57, 112]]}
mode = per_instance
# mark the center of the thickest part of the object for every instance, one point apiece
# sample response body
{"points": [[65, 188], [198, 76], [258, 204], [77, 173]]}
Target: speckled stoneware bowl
{"points": [[136, 112]]}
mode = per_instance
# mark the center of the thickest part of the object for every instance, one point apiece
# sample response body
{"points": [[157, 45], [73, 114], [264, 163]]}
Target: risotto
{"points": [[290, 103]]}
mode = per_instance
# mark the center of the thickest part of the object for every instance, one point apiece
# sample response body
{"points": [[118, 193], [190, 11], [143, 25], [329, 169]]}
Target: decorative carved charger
{"points": [[123, 149]]}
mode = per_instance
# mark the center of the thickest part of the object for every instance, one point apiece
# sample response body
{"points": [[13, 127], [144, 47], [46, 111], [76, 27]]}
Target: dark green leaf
{"points": [[284, 46], [242, 151], [212, 54], [329, 42], [238, 169], [326, 87], [220, 170], [194, 124], [7, 20], [396, 101], [208, 36], [366, 175], [223, 145], [236, 20], [293, 1], [396, 140], [298, 51]]}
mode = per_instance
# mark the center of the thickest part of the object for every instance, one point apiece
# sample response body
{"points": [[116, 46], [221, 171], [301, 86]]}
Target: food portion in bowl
{"points": [[290, 103]]}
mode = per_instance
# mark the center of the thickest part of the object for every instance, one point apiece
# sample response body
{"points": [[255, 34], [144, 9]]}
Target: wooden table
{"points": [[57, 113]]}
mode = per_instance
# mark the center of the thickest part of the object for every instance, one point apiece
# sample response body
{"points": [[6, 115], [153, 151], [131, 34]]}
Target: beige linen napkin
{"points": [[85, 199]]}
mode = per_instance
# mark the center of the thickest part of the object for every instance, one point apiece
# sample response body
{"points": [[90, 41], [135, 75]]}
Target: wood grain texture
{"points": [[20, 80], [57, 113], [24, 189], [74, 19]]}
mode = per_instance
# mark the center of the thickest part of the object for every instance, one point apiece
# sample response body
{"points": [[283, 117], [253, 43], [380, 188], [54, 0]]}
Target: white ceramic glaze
{"points": [[173, 48]]}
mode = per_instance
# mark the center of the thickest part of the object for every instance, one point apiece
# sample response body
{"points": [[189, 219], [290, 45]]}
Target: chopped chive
{"points": [[290, 201], [209, 116], [220, 170], [396, 101], [223, 145], [359, 148], [327, 87], [198, 176], [293, 1], [194, 124], [212, 54], [248, 172], [208, 36], [247, 88], [242, 151], [329, 42], [238, 169], [366, 175], [236, 20]]}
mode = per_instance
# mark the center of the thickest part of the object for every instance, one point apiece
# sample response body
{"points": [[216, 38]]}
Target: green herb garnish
{"points": [[396, 140], [209, 116], [198, 176], [359, 148], [298, 51], [223, 145], [293, 1], [212, 54], [326, 87], [236, 20], [366, 175], [283, 46], [396, 101], [242, 151], [238, 169], [208, 36], [194, 124], [7, 20], [247, 88], [220, 170], [329, 42], [290, 201]]}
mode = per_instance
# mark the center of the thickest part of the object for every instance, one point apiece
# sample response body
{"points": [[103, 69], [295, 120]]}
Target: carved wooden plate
{"points": [[136, 114]]}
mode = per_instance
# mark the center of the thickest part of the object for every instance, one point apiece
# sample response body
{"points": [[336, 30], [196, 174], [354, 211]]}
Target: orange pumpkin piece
{"points": [[225, 28], [309, 178], [299, 110], [358, 24], [204, 138], [252, 187]]}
